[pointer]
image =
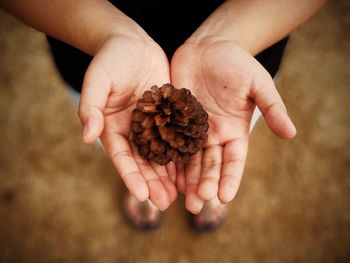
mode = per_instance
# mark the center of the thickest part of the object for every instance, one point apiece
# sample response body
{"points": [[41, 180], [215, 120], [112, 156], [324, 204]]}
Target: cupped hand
{"points": [[122, 69], [229, 83]]}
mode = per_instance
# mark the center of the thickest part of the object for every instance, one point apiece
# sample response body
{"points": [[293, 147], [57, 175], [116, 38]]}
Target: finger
{"points": [[193, 202], [162, 173], [272, 107], [234, 156], [211, 171], [180, 178], [94, 95], [119, 150], [171, 169], [157, 192]]}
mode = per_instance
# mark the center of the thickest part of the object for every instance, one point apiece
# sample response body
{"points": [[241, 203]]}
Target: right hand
{"points": [[122, 69]]}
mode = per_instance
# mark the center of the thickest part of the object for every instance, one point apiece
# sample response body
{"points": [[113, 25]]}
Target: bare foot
{"points": [[142, 215], [211, 217]]}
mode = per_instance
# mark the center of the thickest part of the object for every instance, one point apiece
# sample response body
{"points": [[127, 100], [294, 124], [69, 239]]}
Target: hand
{"points": [[229, 82], [123, 68]]}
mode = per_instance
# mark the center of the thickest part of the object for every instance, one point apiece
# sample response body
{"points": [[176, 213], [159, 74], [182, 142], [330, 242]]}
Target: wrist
{"points": [[101, 40], [234, 22], [124, 28], [219, 31], [201, 44]]}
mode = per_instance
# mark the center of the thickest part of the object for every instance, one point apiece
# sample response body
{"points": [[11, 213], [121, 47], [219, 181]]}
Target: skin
{"points": [[229, 82], [114, 81], [216, 63], [126, 62]]}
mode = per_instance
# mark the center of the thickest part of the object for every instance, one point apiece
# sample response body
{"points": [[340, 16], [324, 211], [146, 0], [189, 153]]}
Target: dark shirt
{"points": [[169, 23]]}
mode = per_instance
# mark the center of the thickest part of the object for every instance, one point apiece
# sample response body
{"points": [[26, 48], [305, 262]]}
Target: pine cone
{"points": [[169, 124]]}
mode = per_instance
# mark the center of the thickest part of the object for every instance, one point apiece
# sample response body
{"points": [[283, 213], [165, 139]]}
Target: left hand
{"points": [[229, 83]]}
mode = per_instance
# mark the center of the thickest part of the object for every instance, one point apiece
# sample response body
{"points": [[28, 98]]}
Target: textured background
{"points": [[60, 199]]}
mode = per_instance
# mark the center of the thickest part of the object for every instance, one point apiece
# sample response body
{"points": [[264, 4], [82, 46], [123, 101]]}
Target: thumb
{"points": [[272, 107], [94, 95]]}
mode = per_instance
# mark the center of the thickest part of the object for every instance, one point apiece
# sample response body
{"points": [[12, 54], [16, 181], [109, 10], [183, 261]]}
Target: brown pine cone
{"points": [[169, 124]]}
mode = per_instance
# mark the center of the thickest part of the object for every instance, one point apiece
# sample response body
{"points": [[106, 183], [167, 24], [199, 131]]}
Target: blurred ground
{"points": [[60, 199]]}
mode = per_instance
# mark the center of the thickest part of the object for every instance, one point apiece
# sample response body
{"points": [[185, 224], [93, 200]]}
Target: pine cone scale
{"points": [[169, 124]]}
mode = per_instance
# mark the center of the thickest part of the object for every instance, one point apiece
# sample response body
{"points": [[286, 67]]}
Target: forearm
{"points": [[256, 24], [85, 24]]}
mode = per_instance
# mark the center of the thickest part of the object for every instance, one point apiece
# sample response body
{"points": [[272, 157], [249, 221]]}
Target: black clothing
{"points": [[169, 23]]}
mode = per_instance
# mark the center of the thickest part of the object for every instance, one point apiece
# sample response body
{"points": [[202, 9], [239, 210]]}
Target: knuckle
{"points": [[141, 162], [211, 162], [122, 154], [81, 114]]}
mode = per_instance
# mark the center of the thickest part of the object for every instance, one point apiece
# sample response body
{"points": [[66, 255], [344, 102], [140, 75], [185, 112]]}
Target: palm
{"points": [[122, 71], [226, 98], [225, 79]]}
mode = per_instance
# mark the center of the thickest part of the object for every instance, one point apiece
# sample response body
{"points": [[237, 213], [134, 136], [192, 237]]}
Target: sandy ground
{"points": [[60, 199]]}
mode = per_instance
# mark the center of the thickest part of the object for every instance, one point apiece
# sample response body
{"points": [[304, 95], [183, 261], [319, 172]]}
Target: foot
{"points": [[211, 217], [143, 216]]}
